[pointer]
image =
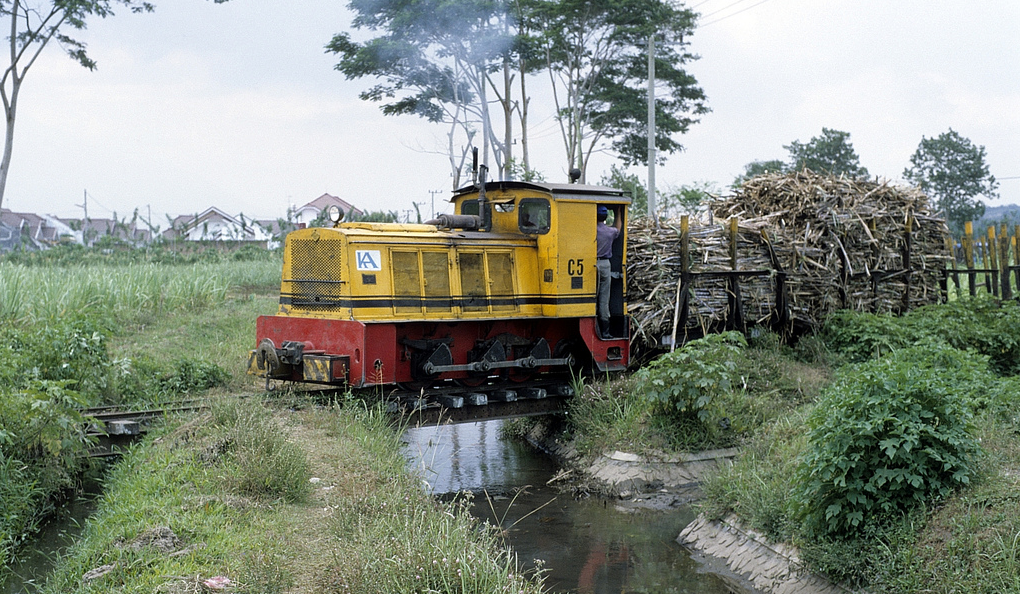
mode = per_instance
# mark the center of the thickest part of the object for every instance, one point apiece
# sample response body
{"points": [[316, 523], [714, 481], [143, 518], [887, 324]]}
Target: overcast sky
{"points": [[237, 105]]}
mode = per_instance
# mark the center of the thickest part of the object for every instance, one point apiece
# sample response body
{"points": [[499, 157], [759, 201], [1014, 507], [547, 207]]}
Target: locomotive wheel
{"points": [[574, 348]]}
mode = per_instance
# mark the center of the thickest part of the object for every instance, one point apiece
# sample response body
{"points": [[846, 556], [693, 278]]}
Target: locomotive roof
{"points": [[565, 191]]}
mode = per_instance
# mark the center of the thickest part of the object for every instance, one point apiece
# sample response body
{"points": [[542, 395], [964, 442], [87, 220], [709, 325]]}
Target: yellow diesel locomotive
{"points": [[504, 289]]}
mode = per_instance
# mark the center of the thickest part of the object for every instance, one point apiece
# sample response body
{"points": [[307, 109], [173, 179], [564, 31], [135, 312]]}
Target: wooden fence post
{"points": [[1016, 255], [968, 255], [683, 286], [992, 263], [908, 234], [951, 246], [782, 307], [1007, 289], [736, 319]]}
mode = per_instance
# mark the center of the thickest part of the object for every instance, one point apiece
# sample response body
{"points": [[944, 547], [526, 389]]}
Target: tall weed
{"points": [[20, 495], [124, 294], [608, 414], [262, 461]]}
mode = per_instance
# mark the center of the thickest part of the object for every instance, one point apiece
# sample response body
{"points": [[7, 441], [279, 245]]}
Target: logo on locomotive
{"points": [[370, 260]]}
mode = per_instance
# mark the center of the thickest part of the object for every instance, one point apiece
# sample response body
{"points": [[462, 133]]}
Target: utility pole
{"points": [[433, 193], [85, 221], [651, 127]]}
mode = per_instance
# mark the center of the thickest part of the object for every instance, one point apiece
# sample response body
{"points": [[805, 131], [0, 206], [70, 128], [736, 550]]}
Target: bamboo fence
{"points": [[985, 262]]}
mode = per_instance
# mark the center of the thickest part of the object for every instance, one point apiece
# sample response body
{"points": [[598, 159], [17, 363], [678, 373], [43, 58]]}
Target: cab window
{"points": [[534, 216]]}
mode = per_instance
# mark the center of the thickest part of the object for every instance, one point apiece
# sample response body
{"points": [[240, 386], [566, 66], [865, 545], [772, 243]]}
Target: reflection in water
{"points": [[471, 456], [584, 546]]}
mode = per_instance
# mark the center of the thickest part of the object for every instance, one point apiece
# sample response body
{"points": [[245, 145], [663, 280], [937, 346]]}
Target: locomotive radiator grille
{"points": [[316, 273]]}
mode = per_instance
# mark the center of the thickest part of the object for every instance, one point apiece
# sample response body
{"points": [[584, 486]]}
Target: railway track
{"points": [[466, 404], [115, 427], [450, 402]]}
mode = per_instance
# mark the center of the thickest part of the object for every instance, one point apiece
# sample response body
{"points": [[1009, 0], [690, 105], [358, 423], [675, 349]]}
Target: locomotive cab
{"points": [[502, 290], [562, 220]]}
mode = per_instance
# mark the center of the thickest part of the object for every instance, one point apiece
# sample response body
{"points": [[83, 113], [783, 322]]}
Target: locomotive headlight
{"points": [[334, 213]]}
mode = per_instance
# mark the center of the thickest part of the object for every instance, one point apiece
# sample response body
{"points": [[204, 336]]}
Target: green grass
{"points": [[137, 334], [756, 487], [183, 478], [365, 525], [221, 335], [392, 537], [233, 484]]}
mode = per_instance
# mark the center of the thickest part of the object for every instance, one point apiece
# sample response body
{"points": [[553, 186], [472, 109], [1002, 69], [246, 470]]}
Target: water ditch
{"points": [[34, 561], [586, 545]]}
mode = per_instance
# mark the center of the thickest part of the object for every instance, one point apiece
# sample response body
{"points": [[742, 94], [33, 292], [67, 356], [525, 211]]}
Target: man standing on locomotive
{"points": [[604, 238]]}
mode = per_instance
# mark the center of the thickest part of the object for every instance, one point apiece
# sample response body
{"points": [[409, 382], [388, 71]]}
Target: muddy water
{"points": [[27, 572], [587, 546]]}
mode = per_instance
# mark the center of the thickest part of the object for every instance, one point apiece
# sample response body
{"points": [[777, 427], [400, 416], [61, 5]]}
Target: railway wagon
{"points": [[504, 289]]}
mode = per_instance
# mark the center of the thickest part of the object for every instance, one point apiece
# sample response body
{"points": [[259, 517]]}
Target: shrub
{"points": [[682, 384], [72, 350], [190, 375], [887, 436], [42, 439], [689, 392], [981, 324], [145, 381], [863, 336]]}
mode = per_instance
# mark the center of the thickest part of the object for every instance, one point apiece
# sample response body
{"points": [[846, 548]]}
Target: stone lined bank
{"points": [[743, 557]]}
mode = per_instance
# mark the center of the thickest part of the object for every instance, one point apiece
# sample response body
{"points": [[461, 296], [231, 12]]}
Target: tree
{"points": [[630, 183], [997, 216], [953, 171], [596, 58], [32, 27], [442, 59], [436, 59], [684, 200], [829, 153], [672, 202], [377, 216], [756, 168]]}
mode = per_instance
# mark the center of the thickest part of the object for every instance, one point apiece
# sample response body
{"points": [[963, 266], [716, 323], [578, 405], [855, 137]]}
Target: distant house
{"points": [[276, 230], [10, 239], [215, 225], [31, 231], [93, 229], [304, 215]]}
